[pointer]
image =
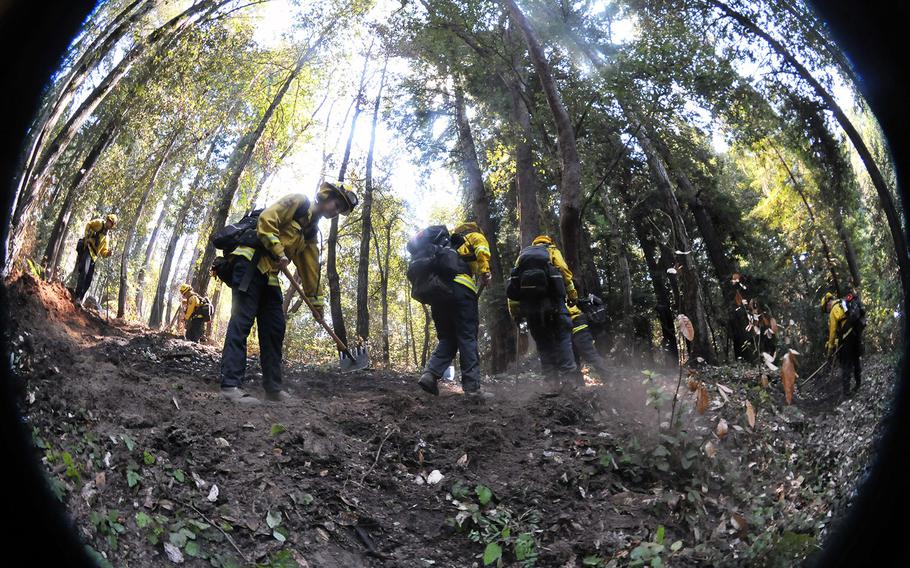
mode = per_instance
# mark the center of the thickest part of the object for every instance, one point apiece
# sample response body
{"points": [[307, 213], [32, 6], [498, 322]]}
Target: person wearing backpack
{"points": [[540, 290], [846, 322], [583, 342], [198, 311], [460, 263], [285, 232], [92, 246]]}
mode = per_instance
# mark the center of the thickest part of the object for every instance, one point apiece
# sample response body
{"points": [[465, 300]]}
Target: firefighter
{"points": [[846, 321], [457, 320], [545, 307], [89, 248], [583, 342], [197, 313], [288, 233]]}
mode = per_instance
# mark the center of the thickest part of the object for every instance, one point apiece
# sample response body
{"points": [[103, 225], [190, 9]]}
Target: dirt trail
{"points": [[136, 438]]}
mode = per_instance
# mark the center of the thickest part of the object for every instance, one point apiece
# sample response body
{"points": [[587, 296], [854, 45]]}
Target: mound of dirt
{"points": [[363, 469]]}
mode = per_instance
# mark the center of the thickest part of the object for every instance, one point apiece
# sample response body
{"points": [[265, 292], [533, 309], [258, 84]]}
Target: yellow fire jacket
{"points": [[559, 262], [283, 235], [477, 247], [837, 317], [95, 239], [192, 302]]}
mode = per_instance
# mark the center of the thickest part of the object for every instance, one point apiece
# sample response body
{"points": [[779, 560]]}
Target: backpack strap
{"points": [[248, 277]]}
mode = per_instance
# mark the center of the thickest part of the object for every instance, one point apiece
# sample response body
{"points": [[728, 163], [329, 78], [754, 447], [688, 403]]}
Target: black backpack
{"points": [[204, 309], [856, 313], [594, 309], [433, 265], [535, 283], [240, 234]]}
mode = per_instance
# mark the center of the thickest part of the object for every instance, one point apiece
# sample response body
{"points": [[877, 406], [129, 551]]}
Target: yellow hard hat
{"points": [[347, 197], [185, 288], [825, 299], [542, 240], [112, 218]]}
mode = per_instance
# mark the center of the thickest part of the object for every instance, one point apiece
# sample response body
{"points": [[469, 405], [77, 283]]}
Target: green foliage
{"points": [[277, 429]]}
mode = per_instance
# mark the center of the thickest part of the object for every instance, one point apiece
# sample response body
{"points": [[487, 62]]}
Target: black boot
{"points": [[428, 382]]}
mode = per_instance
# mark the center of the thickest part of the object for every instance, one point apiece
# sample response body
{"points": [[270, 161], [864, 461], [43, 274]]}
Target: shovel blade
{"points": [[361, 359]]}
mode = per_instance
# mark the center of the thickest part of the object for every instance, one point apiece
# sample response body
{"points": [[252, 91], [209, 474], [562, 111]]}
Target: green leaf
{"points": [[279, 534], [484, 494], [192, 549], [148, 458], [128, 441], [132, 478], [142, 520], [492, 553], [179, 475], [676, 546], [273, 519], [100, 561], [659, 537], [278, 429], [592, 560], [178, 539]]}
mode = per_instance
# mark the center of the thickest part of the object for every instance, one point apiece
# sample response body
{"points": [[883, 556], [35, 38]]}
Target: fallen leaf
{"points": [[692, 384], [701, 399], [764, 381], [769, 361], [434, 477], [213, 493], [750, 414], [738, 522], [173, 553], [710, 450], [174, 400], [773, 325], [462, 461], [788, 376], [685, 327], [222, 443], [721, 429]]}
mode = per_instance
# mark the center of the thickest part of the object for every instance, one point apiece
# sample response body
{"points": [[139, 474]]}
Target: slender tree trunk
{"points": [[693, 304], [240, 158], [170, 286], [570, 222], [525, 177], [409, 320], [366, 216], [427, 318], [659, 283], [849, 251], [331, 261], [501, 329], [58, 234], [622, 266], [131, 233], [384, 294], [149, 249], [886, 199]]}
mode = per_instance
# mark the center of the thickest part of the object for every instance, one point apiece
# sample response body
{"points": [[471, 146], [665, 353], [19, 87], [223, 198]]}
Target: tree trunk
{"points": [[427, 318], [363, 265], [384, 294], [849, 251], [692, 304], [886, 199], [659, 283], [170, 285], [409, 321], [240, 158], [622, 266], [525, 177], [33, 188], [570, 221], [149, 249], [58, 234], [331, 261], [502, 331], [131, 233]]}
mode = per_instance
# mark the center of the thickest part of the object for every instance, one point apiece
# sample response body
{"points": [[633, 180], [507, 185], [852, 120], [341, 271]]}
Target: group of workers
{"points": [[540, 289]]}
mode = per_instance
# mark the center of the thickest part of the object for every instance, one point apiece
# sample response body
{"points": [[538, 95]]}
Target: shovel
{"points": [[349, 360]]}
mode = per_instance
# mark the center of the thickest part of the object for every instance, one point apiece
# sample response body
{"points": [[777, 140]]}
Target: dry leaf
{"points": [[685, 326], [764, 381], [738, 522], [750, 414], [773, 325], [462, 461], [721, 429], [788, 376], [701, 399], [769, 361], [692, 384], [710, 450]]}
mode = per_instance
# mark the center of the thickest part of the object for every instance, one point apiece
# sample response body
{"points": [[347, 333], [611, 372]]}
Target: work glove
{"points": [[106, 253], [486, 277], [572, 297]]}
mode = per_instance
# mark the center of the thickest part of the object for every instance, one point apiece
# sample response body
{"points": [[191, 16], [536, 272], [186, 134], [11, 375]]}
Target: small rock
{"points": [[434, 477], [222, 443], [213, 493]]}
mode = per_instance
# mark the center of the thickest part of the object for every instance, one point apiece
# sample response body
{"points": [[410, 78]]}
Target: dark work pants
{"points": [[85, 270], [553, 336], [262, 303], [194, 329], [850, 360], [585, 350], [456, 329]]}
